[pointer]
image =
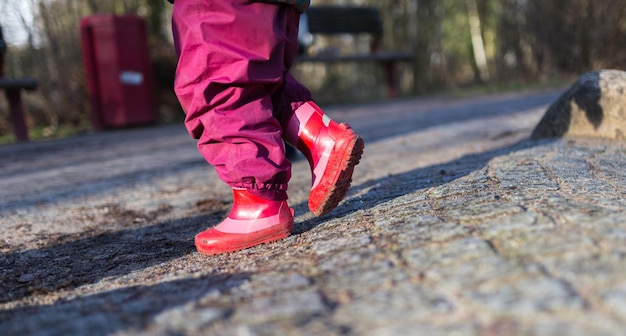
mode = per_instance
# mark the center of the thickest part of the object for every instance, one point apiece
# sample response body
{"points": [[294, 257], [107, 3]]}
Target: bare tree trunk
{"points": [[425, 22], [155, 19], [478, 45]]}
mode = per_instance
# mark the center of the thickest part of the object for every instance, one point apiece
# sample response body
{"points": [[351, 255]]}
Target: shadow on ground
{"points": [[89, 257], [87, 260], [67, 190], [79, 261], [124, 309], [389, 187]]}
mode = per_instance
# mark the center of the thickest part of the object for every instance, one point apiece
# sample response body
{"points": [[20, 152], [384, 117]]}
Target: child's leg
{"points": [[332, 149], [231, 59]]}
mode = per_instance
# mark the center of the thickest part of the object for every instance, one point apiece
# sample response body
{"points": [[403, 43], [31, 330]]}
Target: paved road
{"points": [[456, 224]]}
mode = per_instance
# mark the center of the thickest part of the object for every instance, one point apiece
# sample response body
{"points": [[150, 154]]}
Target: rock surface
{"points": [[595, 106], [456, 224]]}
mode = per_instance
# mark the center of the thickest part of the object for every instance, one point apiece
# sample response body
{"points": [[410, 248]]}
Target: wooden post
{"points": [[12, 90], [17, 114], [392, 79]]}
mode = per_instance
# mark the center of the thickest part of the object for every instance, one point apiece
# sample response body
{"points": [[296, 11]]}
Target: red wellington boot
{"points": [[252, 221], [332, 150]]}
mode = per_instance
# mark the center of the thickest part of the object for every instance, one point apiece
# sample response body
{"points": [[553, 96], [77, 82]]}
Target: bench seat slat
{"points": [[379, 56], [27, 83], [344, 20]]}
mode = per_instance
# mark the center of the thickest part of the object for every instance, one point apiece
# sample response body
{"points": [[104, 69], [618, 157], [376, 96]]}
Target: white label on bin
{"points": [[131, 77]]}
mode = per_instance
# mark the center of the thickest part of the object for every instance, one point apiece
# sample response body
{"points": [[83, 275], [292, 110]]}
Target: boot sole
{"points": [[239, 247], [338, 175], [226, 242]]}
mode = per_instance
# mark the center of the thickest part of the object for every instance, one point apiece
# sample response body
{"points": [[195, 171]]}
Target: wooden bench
{"points": [[333, 20], [12, 88]]}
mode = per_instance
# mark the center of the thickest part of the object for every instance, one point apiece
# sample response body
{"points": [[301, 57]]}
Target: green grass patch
{"points": [[556, 82], [47, 133]]}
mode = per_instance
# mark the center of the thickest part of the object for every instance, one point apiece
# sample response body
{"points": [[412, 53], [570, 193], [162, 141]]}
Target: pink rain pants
{"points": [[233, 83]]}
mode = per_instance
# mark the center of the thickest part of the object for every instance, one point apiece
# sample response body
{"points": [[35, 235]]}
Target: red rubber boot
{"points": [[252, 221], [332, 150]]}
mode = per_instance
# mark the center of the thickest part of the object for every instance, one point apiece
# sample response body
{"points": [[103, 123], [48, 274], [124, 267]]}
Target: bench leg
{"points": [[17, 114], [392, 79]]}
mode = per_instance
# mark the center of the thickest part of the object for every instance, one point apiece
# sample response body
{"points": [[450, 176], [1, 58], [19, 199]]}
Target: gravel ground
{"points": [[455, 224]]}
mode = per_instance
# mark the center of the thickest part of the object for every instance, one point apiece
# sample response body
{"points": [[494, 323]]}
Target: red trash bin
{"points": [[117, 68]]}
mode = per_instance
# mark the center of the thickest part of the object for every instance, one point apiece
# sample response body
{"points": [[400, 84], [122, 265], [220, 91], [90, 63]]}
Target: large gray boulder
{"points": [[595, 106]]}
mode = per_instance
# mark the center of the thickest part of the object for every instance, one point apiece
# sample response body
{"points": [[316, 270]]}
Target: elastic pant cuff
{"points": [[270, 192]]}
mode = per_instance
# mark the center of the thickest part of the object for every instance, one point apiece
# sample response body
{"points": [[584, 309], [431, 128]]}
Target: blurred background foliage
{"points": [[457, 44]]}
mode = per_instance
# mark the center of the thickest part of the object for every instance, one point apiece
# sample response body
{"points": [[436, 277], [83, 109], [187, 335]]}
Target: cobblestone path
{"points": [[456, 225]]}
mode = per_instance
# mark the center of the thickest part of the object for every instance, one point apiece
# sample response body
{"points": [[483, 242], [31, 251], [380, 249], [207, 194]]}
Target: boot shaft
{"points": [[247, 206], [313, 133], [252, 221]]}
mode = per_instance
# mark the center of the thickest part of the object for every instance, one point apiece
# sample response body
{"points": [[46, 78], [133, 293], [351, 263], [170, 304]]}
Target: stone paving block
{"points": [[526, 296], [342, 282], [423, 230], [588, 272], [455, 252], [589, 217], [608, 165], [460, 189], [417, 328], [266, 283], [406, 221], [615, 299], [492, 228], [347, 260], [461, 264], [581, 179], [293, 305], [473, 214], [612, 236], [353, 241], [541, 243], [527, 176], [403, 303], [188, 318], [461, 277], [575, 326]]}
